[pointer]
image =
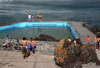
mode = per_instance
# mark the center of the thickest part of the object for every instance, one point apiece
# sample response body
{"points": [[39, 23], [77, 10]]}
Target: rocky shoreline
{"points": [[44, 47], [94, 31]]}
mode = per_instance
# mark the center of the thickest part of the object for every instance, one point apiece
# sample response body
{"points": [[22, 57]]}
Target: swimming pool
{"points": [[58, 30]]}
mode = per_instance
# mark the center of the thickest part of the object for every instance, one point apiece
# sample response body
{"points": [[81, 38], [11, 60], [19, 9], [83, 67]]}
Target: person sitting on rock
{"points": [[69, 39], [6, 37], [75, 41], [32, 45]]}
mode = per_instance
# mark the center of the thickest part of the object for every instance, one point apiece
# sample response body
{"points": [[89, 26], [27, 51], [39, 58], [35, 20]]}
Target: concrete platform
{"points": [[9, 59], [81, 31]]}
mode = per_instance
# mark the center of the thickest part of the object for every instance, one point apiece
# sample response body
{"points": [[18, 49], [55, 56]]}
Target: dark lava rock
{"points": [[98, 29], [97, 34], [10, 44], [36, 38], [95, 31], [44, 37], [74, 55], [83, 24], [88, 55], [78, 41]]}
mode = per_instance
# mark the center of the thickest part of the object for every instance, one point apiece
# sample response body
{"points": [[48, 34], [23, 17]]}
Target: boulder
{"points": [[44, 37], [74, 55], [36, 38], [98, 29], [97, 34], [93, 31], [11, 44], [88, 55]]}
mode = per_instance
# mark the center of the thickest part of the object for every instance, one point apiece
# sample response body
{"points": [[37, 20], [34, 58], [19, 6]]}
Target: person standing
{"points": [[33, 18], [95, 42], [88, 40], [27, 47], [29, 17], [24, 51], [32, 45], [40, 17], [98, 43], [37, 17]]}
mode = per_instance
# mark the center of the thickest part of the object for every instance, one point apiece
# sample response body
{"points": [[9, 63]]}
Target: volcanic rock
{"points": [[44, 37], [98, 29], [97, 34], [74, 55], [10, 44]]}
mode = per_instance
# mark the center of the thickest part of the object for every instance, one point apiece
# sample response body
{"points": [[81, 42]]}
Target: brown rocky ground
{"points": [[71, 55]]}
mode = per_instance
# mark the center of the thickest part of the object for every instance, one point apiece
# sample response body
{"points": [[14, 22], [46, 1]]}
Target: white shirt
{"points": [[69, 39], [29, 16]]}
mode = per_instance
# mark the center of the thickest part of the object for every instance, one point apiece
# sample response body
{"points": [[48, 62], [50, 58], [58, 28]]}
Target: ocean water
{"points": [[87, 11]]}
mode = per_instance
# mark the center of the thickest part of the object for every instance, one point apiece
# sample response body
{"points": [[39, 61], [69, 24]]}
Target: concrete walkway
{"points": [[81, 31], [9, 59]]}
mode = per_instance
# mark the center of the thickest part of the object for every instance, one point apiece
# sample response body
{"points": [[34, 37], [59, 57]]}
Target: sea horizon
{"points": [[87, 11]]}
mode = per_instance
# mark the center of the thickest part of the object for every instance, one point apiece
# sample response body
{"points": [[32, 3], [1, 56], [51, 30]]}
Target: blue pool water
{"points": [[20, 30]]}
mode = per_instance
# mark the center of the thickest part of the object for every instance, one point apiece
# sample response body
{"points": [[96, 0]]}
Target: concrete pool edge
{"points": [[37, 24]]}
